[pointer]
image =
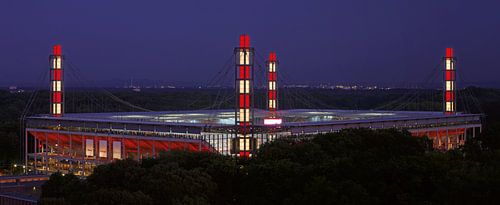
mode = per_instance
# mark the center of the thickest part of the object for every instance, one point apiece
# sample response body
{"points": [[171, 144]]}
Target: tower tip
{"points": [[449, 52], [272, 56], [244, 40], [57, 50]]}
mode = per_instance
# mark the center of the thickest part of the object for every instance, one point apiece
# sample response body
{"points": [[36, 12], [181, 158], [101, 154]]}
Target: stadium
{"points": [[77, 142]]}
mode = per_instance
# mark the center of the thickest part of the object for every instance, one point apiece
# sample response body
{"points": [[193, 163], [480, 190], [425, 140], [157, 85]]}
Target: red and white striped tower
{"points": [[272, 103], [244, 142], [56, 82], [272, 92], [449, 91]]}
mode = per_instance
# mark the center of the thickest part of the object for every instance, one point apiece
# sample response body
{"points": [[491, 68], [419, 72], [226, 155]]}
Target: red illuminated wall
{"points": [[440, 137], [62, 141]]}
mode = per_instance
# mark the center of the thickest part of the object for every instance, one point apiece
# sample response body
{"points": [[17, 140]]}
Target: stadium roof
{"points": [[226, 117]]}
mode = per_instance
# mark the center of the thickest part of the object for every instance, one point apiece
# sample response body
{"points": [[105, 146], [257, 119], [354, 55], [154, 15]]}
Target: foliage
{"points": [[358, 166]]}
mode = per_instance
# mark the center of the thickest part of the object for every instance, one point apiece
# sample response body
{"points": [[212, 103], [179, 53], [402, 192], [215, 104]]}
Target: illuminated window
{"points": [[103, 148], [247, 86], [58, 64], [449, 106], [448, 64], [89, 147], [244, 144], [244, 86], [272, 67], [56, 108], [56, 86], [244, 115], [117, 150], [272, 103], [272, 85], [449, 85], [244, 58]]}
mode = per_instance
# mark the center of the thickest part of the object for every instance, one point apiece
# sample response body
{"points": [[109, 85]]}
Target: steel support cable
{"points": [[404, 101], [220, 99], [301, 99], [91, 97], [87, 94], [285, 92], [306, 98], [26, 111], [462, 95], [262, 81], [34, 94], [226, 96], [463, 100], [81, 82], [221, 77], [224, 70], [297, 96], [475, 100], [222, 80], [216, 78], [421, 93], [410, 96], [106, 92], [281, 80], [223, 100], [413, 96]]}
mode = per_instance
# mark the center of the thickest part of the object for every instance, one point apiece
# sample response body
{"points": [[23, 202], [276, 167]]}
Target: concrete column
{"points": [[447, 139], [83, 155], [46, 153], [122, 150], [59, 145], [96, 149], [35, 145], [110, 148], [138, 149], [154, 149], [439, 139], [26, 148], [71, 151]]}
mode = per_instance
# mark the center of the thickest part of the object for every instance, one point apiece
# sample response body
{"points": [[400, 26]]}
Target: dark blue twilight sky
{"points": [[331, 41]]}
